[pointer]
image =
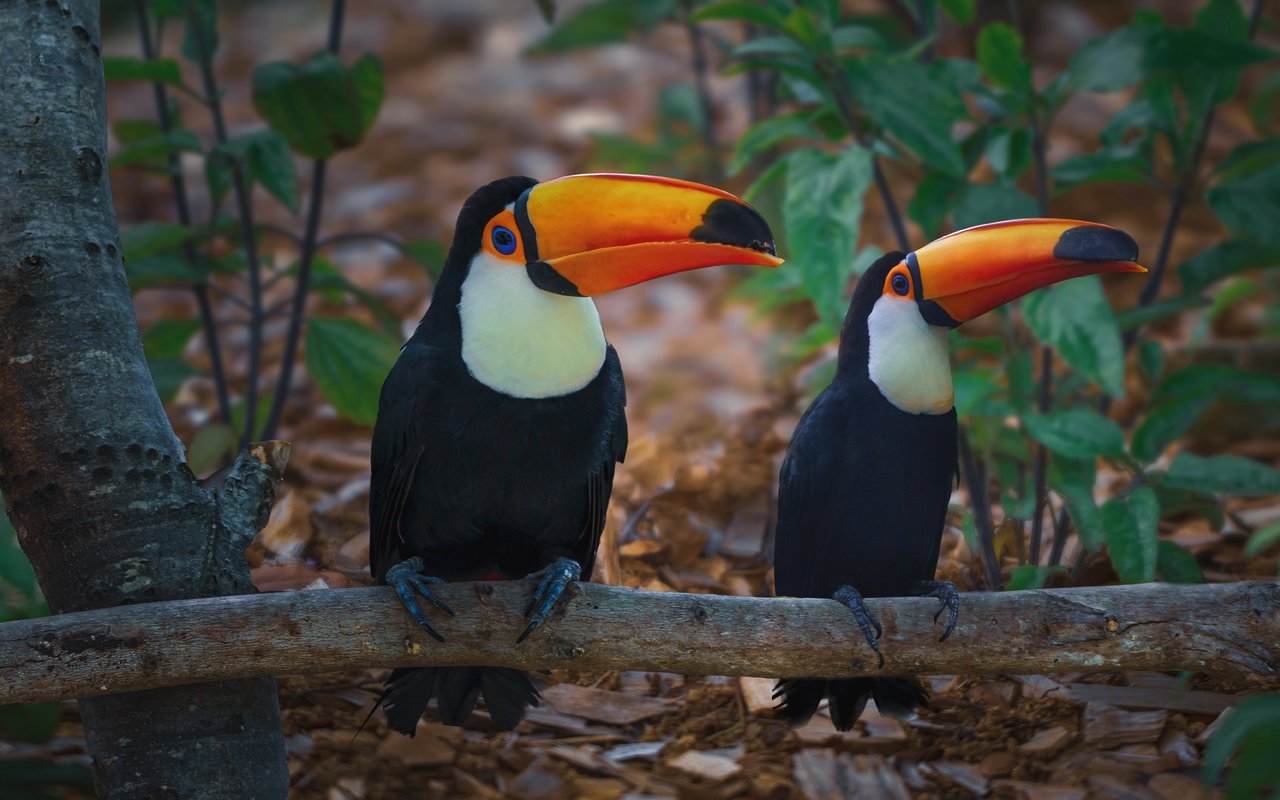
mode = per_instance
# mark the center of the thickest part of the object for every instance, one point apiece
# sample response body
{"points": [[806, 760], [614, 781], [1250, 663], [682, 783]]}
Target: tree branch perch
{"points": [[1218, 628]]}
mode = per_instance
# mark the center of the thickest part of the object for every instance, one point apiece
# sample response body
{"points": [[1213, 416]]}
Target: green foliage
{"points": [[604, 22], [349, 362], [1077, 321], [1251, 732], [322, 106]]}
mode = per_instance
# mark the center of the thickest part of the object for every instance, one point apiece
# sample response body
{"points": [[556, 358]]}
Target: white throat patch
{"points": [[908, 358], [522, 341]]}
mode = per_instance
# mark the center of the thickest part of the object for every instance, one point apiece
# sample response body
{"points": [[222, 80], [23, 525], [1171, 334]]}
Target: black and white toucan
{"points": [[863, 490], [500, 424]]}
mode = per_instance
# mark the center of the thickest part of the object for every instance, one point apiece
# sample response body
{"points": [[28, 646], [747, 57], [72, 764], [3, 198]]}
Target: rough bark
{"points": [[94, 477], [1222, 628]]}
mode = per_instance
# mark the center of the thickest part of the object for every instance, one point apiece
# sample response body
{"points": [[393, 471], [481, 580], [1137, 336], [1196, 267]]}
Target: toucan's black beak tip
{"points": [[1095, 243], [736, 224]]}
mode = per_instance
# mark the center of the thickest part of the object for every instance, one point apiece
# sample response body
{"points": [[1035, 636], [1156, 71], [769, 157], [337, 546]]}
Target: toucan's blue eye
{"points": [[504, 241], [900, 284]]}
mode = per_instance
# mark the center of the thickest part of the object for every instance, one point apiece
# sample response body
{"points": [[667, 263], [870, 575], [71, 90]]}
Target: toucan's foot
{"points": [[871, 629], [948, 598], [407, 578], [555, 577]]}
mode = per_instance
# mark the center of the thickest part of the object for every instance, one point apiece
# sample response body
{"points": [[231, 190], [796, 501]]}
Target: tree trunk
{"points": [[95, 479]]}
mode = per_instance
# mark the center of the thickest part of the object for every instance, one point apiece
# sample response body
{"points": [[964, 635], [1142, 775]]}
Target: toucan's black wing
{"points": [[600, 481], [397, 452]]}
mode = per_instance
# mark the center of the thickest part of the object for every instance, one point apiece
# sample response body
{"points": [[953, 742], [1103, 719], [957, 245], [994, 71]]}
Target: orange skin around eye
{"points": [[888, 289], [506, 219]]}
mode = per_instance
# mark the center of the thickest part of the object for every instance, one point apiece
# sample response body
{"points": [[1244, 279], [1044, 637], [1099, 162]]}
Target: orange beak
{"points": [[967, 273], [590, 234]]}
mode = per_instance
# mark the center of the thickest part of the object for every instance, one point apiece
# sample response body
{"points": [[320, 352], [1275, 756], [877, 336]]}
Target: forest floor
{"points": [[711, 410]]}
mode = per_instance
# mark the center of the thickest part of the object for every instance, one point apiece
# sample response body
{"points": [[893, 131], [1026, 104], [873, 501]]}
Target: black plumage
{"points": [[862, 501], [479, 484]]}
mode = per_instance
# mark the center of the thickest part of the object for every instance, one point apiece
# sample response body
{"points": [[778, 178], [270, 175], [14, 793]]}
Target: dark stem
{"points": [[245, 210], [183, 210], [1044, 396], [298, 313], [976, 484], [844, 105], [698, 47]]}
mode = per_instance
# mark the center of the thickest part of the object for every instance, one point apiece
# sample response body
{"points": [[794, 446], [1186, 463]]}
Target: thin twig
{"points": [[697, 47], [1044, 394], [245, 208], [976, 483], [298, 313], [183, 209]]}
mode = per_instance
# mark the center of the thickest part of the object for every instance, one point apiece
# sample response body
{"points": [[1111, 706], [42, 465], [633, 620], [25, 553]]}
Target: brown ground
{"points": [[711, 411]]}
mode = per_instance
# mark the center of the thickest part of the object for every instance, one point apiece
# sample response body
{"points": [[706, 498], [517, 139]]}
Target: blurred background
{"points": [[342, 143]]}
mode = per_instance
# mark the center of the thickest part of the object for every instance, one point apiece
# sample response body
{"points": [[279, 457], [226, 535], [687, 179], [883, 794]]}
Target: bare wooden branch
{"points": [[1221, 628]]}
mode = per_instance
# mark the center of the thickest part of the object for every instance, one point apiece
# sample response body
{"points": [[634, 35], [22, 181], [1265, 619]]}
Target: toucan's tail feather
{"points": [[895, 697], [507, 693]]}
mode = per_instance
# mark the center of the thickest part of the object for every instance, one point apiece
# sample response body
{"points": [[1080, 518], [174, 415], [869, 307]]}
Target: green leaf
{"points": [[1230, 475], [321, 107], [1224, 259], [349, 362], [855, 36], [1009, 152], [163, 268], [1110, 63], [371, 87], [267, 157], [1123, 163], [1248, 158], [741, 11], [932, 200], [30, 722], [1262, 539], [1131, 319], [1075, 319], [971, 387], [169, 374], [979, 203], [1166, 423], [1250, 204], [212, 446], [1077, 433], [1130, 526], [168, 338], [1175, 565], [1000, 56], [16, 571], [821, 211], [1222, 381], [604, 22], [1031, 576], [127, 68], [148, 238], [430, 255], [768, 133], [327, 278], [1254, 715], [154, 151], [959, 10], [1186, 501], [1151, 359], [924, 125]]}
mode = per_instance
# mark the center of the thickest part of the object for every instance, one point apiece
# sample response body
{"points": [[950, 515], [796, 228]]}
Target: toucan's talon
{"points": [[948, 599], [555, 577], [407, 578], [851, 598]]}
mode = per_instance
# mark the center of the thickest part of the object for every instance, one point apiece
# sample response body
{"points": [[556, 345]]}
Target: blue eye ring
{"points": [[504, 241], [900, 284]]}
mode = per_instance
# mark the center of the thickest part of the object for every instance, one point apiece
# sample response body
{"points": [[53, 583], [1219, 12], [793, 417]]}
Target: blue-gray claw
{"points": [[852, 599], [948, 598], [407, 578], [555, 577]]}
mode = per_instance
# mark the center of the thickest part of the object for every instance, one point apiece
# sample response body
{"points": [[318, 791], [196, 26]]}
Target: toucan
{"points": [[863, 488], [501, 422]]}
